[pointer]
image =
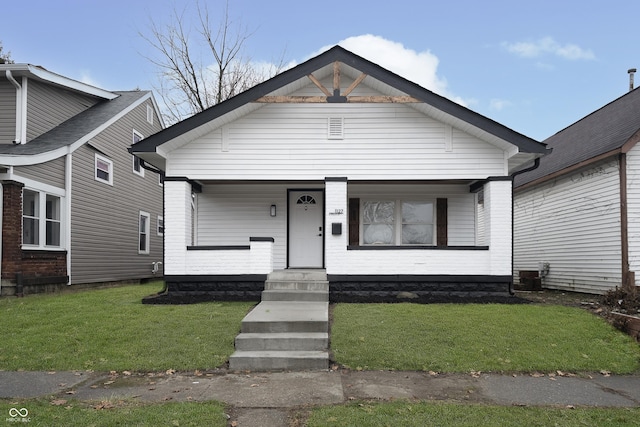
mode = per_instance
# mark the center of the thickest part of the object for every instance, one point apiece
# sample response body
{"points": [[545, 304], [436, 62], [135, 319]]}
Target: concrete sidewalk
{"points": [[265, 399]]}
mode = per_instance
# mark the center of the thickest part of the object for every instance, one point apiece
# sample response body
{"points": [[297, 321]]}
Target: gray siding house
{"points": [[77, 207], [577, 216]]}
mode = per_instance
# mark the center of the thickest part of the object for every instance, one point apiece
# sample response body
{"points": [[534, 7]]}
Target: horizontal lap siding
{"points": [[231, 214], [7, 112], [51, 173], [381, 141], [573, 223], [48, 106], [104, 219], [633, 209]]}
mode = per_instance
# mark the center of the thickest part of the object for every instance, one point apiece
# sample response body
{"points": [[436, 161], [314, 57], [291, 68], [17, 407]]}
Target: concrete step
{"points": [[291, 285], [279, 360], [298, 275], [286, 316], [294, 295], [294, 341]]}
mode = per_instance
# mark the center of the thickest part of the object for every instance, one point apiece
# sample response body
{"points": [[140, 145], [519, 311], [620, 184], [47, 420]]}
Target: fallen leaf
{"points": [[570, 407], [234, 424], [58, 402], [71, 392], [126, 373], [605, 373], [108, 382]]}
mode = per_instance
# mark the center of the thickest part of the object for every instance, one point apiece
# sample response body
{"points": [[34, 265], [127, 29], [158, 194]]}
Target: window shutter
{"points": [[441, 222], [354, 222]]}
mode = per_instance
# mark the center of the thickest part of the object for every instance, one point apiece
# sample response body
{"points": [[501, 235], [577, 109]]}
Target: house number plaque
{"points": [[337, 212]]}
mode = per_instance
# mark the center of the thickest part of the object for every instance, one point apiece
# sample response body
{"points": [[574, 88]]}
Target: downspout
{"points": [[19, 119], [68, 184], [536, 163]]}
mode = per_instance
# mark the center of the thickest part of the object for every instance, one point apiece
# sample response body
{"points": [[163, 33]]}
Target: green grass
{"points": [[111, 329], [402, 413], [478, 337], [114, 413]]}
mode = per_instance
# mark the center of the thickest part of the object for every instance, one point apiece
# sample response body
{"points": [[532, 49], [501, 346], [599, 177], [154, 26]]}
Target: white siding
{"points": [[633, 209], [231, 214], [572, 222], [381, 141]]}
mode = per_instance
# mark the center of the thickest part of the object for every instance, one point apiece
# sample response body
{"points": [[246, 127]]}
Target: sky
{"points": [[535, 67]]}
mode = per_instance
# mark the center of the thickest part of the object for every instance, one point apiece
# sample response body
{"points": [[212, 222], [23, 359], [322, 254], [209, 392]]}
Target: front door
{"points": [[306, 230]]}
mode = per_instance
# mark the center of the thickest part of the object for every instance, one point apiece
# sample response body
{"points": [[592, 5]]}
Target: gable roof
{"points": [[72, 133], [286, 82], [599, 134], [39, 73]]}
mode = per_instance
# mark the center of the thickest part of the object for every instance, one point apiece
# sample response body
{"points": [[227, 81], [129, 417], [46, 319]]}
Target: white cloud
{"points": [[497, 104], [86, 78], [419, 67], [548, 45]]}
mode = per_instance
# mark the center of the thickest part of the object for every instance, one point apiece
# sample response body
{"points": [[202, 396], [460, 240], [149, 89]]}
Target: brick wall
{"points": [[36, 267]]}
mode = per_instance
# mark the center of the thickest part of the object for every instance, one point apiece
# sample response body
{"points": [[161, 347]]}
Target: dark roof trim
{"points": [[569, 169], [477, 186], [338, 53]]}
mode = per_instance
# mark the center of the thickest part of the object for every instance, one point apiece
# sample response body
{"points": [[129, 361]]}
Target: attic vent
{"points": [[336, 128]]}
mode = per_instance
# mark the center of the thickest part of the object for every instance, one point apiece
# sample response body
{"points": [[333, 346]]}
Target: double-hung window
{"points": [[144, 220], [41, 219], [137, 166], [398, 222], [103, 169]]}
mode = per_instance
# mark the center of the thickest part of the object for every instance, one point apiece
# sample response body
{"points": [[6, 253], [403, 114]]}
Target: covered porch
{"points": [[376, 240]]}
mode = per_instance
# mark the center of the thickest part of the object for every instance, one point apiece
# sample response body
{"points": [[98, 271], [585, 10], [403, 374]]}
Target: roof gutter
{"points": [[19, 109], [536, 163]]}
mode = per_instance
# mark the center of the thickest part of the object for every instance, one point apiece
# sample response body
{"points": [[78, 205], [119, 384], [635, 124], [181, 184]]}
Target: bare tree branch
{"points": [[196, 71]]}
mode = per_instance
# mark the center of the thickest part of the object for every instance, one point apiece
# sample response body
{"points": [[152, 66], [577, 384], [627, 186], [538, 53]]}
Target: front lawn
{"points": [[61, 412], [111, 329], [478, 337], [402, 413]]}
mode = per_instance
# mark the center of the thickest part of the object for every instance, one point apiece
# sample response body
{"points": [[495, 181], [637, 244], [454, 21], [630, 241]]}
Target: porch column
{"points": [[498, 220], [178, 222], [336, 228]]}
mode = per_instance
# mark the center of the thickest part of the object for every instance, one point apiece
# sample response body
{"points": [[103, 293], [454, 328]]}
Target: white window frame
{"points": [[160, 225], [137, 166], [146, 233], [43, 221], [103, 159], [397, 220]]}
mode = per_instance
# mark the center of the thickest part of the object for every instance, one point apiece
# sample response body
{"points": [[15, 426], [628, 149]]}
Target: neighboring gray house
{"points": [[77, 207], [340, 165], [577, 216]]}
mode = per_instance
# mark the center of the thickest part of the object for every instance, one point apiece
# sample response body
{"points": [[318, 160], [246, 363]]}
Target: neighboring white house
{"points": [[577, 216], [338, 164]]}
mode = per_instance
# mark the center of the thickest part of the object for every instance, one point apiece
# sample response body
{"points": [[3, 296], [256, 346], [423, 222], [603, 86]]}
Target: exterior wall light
{"points": [[272, 211]]}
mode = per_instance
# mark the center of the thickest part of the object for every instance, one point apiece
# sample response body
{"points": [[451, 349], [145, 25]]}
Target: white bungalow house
{"points": [[577, 216], [338, 164]]}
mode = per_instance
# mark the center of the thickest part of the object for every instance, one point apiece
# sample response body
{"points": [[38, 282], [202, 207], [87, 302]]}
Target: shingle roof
{"points": [[603, 131], [76, 127], [337, 53]]}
